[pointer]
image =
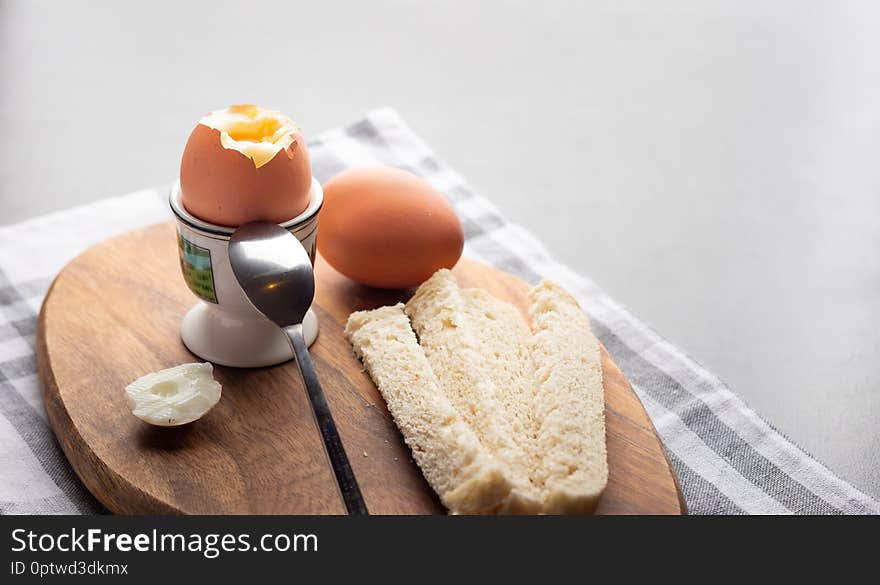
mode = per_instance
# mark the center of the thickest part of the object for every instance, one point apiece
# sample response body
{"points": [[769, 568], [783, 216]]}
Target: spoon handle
{"points": [[348, 486]]}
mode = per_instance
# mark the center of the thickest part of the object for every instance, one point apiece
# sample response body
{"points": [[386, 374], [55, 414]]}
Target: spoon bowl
{"points": [[274, 271]]}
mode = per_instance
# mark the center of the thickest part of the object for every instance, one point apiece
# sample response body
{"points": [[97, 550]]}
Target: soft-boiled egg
{"points": [[245, 163], [387, 228]]}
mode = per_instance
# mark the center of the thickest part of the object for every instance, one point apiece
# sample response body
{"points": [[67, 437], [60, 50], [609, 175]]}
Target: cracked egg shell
{"points": [[174, 396], [245, 164]]}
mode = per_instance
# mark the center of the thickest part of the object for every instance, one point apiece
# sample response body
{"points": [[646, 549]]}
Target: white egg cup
{"points": [[224, 327]]}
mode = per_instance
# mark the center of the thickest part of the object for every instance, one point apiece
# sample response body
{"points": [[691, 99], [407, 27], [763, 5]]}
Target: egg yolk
{"points": [[256, 133]]}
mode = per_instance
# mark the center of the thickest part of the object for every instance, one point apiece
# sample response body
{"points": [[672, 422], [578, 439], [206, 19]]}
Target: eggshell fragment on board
{"points": [[387, 228], [243, 164], [175, 396]]}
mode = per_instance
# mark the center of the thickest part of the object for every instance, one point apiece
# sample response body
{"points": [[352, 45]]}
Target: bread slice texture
{"points": [[450, 330], [501, 418], [569, 405], [504, 342], [465, 475]]}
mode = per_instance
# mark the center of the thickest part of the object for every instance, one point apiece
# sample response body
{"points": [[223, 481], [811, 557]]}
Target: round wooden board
{"points": [[113, 314]]}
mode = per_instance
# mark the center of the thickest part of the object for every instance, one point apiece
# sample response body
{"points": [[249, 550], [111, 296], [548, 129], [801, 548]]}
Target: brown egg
{"points": [[387, 228], [245, 164]]}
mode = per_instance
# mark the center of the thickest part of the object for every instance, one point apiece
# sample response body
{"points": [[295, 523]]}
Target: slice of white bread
{"points": [[528, 432], [450, 329], [458, 467], [570, 403], [505, 344]]}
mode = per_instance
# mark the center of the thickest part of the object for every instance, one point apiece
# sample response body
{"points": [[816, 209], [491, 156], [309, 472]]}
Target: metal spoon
{"points": [[276, 274]]}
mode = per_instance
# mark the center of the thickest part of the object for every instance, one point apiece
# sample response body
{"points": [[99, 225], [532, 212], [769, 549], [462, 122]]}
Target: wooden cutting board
{"points": [[113, 314]]}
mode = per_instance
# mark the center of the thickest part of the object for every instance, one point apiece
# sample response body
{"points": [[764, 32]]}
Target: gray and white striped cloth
{"points": [[728, 459]]}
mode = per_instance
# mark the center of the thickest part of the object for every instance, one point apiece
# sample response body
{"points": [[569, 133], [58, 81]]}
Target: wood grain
{"points": [[113, 314]]}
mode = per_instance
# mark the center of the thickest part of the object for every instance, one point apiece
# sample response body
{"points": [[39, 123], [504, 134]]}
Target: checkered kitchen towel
{"points": [[729, 460]]}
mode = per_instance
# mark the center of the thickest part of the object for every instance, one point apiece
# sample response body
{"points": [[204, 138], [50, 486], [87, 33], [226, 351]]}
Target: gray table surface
{"points": [[712, 165]]}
